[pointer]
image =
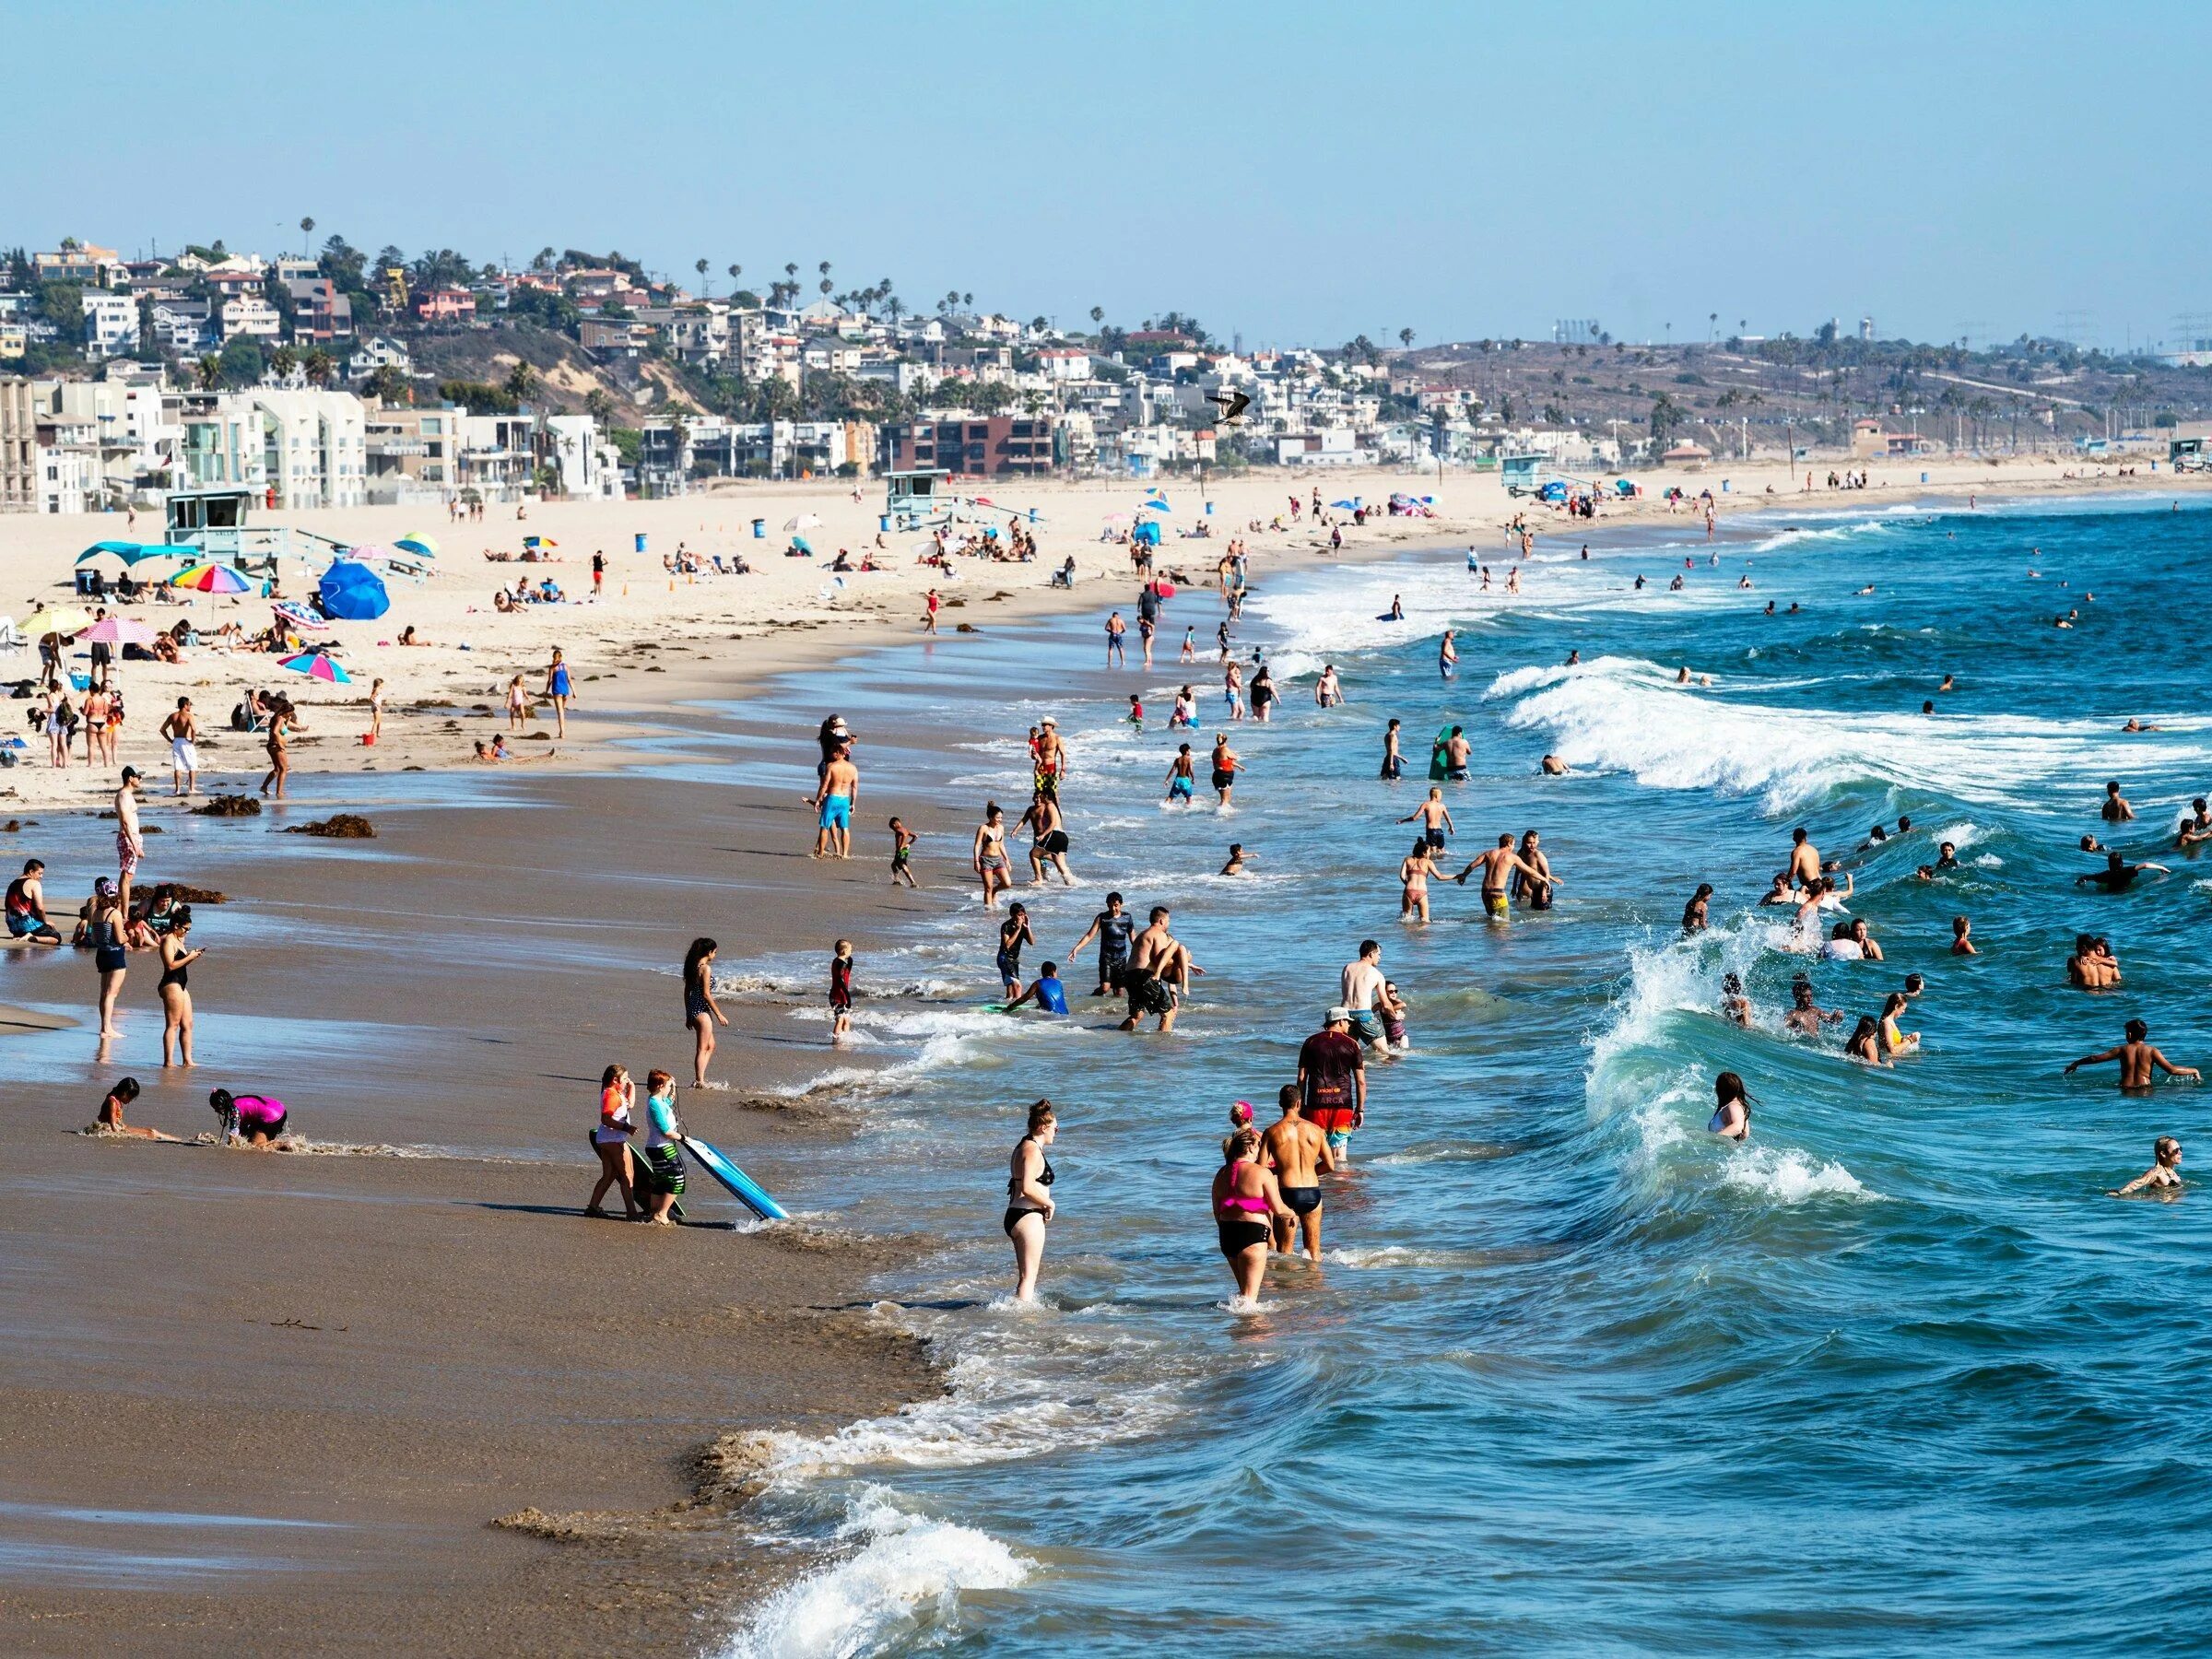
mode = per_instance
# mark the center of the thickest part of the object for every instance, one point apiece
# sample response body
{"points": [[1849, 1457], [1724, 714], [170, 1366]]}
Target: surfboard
{"points": [[742, 1187], [1436, 754]]}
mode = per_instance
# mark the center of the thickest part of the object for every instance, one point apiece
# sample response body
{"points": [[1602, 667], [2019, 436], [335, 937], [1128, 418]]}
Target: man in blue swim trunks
{"points": [[841, 788]]}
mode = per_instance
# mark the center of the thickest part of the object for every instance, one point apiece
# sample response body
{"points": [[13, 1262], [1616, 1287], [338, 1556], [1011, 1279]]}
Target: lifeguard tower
{"points": [[213, 522], [917, 501]]}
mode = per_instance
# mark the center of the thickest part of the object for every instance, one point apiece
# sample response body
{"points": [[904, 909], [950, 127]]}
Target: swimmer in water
{"points": [[2116, 808], [2195, 831], [2118, 875], [1865, 1044], [1247, 1206], [1962, 942], [1300, 1156], [1237, 855], [1554, 767], [1896, 1042], [2136, 726], [1807, 1015], [1736, 1007], [1693, 913], [2138, 1058], [2163, 1177], [1732, 1115], [1435, 816]]}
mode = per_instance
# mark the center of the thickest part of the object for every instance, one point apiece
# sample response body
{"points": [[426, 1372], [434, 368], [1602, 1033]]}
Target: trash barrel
{"points": [[641, 541], [759, 529]]}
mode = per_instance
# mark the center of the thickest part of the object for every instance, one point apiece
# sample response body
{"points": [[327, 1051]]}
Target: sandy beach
{"points": [[403, 1340]]}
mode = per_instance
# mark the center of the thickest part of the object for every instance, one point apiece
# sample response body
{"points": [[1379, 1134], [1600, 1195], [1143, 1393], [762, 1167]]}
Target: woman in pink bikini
{"points": [[1246, 1201]]}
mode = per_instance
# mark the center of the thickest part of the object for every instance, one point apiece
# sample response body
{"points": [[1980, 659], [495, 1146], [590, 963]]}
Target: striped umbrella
{"points": [[316, 665], [211, 579]]}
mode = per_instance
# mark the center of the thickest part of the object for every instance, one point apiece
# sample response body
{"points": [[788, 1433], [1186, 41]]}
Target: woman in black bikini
{"points": [[701, 1013], [104, 929], [1029, 1200], [176, 995]]}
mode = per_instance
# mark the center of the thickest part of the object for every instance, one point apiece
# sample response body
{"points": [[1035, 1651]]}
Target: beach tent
{"points": [[352, 592], [132, 552]]}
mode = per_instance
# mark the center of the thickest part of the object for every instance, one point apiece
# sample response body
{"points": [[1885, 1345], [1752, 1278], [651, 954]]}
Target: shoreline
{"points": [[766, 821]]}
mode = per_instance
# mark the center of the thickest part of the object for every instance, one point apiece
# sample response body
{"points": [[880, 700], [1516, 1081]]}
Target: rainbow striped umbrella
{"points": [[211, 579]]}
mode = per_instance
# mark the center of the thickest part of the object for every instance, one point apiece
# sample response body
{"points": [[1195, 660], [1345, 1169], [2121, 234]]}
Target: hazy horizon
{"points": [[1288, 173]]}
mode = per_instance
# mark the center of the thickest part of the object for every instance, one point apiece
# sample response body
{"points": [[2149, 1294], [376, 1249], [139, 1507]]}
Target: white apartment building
{"points": [[378, 353], [111, 323], [315, 444], [589, 470], [253, 316]]}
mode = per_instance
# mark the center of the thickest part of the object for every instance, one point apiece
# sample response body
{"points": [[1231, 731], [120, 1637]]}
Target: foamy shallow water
{"points": [[1572, 1376]]}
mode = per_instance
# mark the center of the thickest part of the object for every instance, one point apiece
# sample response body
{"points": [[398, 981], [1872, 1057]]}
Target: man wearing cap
{"points": [[130, 845], [1331, 1079]]}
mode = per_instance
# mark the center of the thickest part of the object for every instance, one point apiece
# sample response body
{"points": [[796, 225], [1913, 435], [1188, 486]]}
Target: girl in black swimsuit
{"points": [[1029, 1198], [177, 959]]}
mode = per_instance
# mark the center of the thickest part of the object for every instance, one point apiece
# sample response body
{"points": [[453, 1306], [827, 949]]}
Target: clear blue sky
{"points": [[1300, 172]]}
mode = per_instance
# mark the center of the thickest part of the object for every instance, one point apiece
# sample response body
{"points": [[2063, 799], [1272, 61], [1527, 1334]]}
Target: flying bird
{"points": [[1233, 403]]}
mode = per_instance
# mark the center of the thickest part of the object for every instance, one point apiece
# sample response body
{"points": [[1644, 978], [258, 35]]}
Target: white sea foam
{"points": [[1790, 1177], [1627, 715], [906, 1575]]}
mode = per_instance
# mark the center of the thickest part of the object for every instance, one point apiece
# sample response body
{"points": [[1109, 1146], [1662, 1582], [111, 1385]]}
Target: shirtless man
{"points": [[1804, 859], [1457, 752], [1116, 932], [1498, 866], [1300, 1154], [2116, 809], [1436, 818], [840, 789], [182, 730], [1051, 756], [1225, 768], [2195, 831], [130, 841], [1327, 692], [1362, 988], [2137, 1058], [1805, 1015], [1160, 971]]}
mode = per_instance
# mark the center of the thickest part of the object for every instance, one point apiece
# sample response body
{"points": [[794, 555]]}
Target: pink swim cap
{"points": [[1240, 1112]]}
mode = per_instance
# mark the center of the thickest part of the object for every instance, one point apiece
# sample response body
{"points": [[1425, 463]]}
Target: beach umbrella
{"points": [[1346, 506], [316, 665], [803, 545], [55, 619], [352, 592], [293, 616], [120, 630], [417, 544], [805, 520], [539, 541], [211, 579]]}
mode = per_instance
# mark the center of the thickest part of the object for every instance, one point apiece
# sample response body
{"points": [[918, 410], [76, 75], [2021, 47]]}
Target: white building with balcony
{"points": [[111, 323]]}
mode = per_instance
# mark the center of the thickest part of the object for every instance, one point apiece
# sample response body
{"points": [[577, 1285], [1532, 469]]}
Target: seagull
{"points": [[1232, 405]]}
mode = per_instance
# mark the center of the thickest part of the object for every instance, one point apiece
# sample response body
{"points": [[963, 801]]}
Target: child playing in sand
{"points": [[840, 989], [902, 854], [110, 1113]]}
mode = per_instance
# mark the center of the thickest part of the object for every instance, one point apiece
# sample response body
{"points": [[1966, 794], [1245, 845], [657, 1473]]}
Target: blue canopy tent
{"points": [[351, 591], [132, 552]]}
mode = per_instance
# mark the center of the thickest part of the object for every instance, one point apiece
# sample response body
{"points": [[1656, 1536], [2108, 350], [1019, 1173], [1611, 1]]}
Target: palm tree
{"points": [[284, 360], [701, 268], [1406, 338], [736, 271], [1097, 315], [320, 367], [307, 229], [522, 380], [209, 370], [967, 302], [1713, 324]]}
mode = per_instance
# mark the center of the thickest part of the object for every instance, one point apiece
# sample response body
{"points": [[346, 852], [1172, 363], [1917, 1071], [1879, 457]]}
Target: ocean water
{"points": [[1574, 1375]]}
